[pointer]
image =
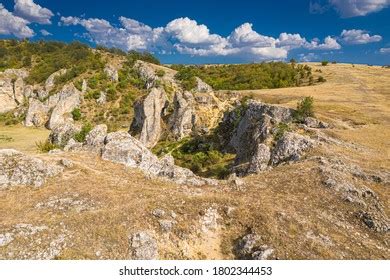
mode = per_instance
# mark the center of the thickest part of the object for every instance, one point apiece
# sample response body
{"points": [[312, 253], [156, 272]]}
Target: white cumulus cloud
{"points": [[384, 50], [32, 12], [357, 36], [13, 25], [44, 32], [186, 36]]}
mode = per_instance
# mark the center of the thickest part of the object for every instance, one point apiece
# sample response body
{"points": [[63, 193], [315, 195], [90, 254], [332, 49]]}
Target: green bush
{"points": [[45, 146], [281, 129], [321, 79], [76, 114], [160, 73], [187, 78], [305, 108], [324, 62], [80, 136]]}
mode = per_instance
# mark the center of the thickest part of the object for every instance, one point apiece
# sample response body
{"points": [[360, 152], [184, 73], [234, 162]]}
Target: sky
{"points": [[212, 31]]}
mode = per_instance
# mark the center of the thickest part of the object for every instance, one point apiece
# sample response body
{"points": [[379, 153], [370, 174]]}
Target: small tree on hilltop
{"points": [[324, 63], [304, 109]]}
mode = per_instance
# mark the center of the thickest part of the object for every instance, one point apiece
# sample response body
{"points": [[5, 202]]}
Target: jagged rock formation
{"points": [[66, 100], [180, 112], [148, 117], [121, 147], [12, 88], [249, 131], [18, 169], [50, 82]]}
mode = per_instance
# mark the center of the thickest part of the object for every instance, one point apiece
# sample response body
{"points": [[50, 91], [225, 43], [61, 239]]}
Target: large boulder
{"points": [[147, 120], [18, 169], [37, 113], [121, 147], [11, 89], [61, 134], [290, 148], [95, 138], [68, 99], [182, 120]]}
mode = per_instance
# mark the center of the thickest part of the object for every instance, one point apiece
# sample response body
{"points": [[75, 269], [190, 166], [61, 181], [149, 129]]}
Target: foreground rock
{"points": [[120, 147], [18, 169], [144, 246]]}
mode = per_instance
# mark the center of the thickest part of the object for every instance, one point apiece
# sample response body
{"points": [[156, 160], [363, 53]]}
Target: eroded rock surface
{"points": [[18, 169]]}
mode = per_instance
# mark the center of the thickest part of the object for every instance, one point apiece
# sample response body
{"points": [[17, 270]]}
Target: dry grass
{"points": [[288, 206]]}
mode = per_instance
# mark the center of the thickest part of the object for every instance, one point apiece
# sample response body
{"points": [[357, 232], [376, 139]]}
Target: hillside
{"points": [[265, 180]]}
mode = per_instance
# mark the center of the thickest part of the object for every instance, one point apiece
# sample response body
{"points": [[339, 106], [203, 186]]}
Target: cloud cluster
{"points": [[13, 25], [384, 50], [358, 37], [348, 8], [32, 12], [353, 8], [186, 36], [16, 23]]}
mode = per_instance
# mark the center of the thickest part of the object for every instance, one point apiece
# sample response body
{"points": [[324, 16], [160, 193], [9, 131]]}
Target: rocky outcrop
{"points": [[37, 113], [111, 72], [290, 148], [147, 120], [121, 147], [202, 86], [146, 73], [61, 134], [50, 82], [182, 120], [143, 246], [95, 138], [259, 135], [249, 248], [11, 89], [67, 100], [17, 169]]}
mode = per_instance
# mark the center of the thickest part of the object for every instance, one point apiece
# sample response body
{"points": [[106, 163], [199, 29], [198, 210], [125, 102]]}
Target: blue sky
{"points": [[356, 31]]}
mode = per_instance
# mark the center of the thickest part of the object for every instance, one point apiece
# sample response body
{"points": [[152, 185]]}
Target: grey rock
{"points": [[102, 98], [147, 120], [68, 99], [95, 138], [11, 89], [166, 225], [50, 82], [73, 145], [263, 254], [37, 113], [146, 73], [18, 169], [84, 86], [201, 86], [314, 123], [182, 121], [290, 148], [121, 147], [5, 239], [144, 246], [245, 246], [159, 213], [60, 135], [66, 163], [112, 72]]}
